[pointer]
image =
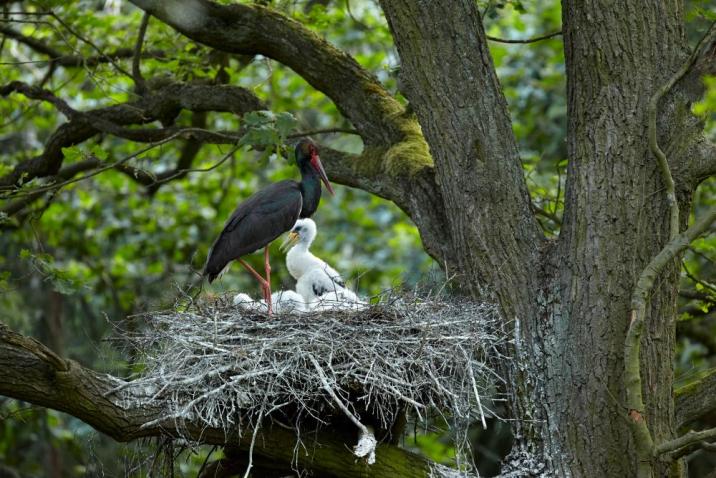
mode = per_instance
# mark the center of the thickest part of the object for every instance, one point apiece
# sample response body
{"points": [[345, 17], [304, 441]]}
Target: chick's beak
{"points": [[290, 240]]}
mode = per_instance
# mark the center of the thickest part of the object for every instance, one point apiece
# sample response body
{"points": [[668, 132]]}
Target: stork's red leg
{"points": [[267, 268], [265, 285]]}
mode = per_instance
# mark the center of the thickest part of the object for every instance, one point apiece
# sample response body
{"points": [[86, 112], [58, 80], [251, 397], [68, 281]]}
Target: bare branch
{"points": [[696, 295], [632, 345], [323, 131], [33, 43], [58, 58], [653, 143], [681, 446], [527, 40], [89, 42], [139, 84], [696, 399], [547, 214], [64, 174], [37, 93]]}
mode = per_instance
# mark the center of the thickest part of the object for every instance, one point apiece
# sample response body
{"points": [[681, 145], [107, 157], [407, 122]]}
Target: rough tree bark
{"points": [[568, 299]]}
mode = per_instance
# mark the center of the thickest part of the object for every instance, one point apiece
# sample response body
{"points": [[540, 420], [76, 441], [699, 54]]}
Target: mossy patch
{"points": [[404, 158], [694, 385]]}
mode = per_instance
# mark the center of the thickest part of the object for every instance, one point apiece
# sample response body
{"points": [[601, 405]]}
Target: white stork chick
{"points": [[340, 300], [299, 259], [316, 281], [245, 302], [284, 301], [288, 301], [318, 285]]}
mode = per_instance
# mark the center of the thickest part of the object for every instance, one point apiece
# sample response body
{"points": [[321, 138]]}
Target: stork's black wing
{"points": [[254, 224]]}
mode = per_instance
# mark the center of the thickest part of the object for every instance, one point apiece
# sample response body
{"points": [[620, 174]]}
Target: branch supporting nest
{"points": [[230, 369]]}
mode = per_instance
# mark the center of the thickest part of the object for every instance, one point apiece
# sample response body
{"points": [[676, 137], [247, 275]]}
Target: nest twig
{"points": [[229, 368]]}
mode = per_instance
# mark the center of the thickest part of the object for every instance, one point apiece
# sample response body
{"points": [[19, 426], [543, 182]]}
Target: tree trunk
{"points": [[569, 299], [617, 56]]}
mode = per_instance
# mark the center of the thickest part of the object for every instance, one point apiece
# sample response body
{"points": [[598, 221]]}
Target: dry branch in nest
{"points": [[231, 369]]}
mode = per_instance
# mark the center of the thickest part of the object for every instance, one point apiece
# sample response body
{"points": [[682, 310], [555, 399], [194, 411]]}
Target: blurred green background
{"points": [[76, 264]]}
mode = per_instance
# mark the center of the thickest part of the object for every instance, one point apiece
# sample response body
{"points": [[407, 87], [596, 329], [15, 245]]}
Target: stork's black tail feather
{"points": [[214, 267]]}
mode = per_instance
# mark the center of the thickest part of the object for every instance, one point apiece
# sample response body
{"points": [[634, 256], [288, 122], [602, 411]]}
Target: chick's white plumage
{"points": [[319, 282], [300, 260], [283, 301], [320, 285]]}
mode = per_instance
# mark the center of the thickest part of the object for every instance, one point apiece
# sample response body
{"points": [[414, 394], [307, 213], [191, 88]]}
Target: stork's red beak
{"points": [[316, 164]]}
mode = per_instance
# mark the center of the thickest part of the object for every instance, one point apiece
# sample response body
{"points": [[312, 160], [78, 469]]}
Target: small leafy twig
{"points": [[90, 43]]}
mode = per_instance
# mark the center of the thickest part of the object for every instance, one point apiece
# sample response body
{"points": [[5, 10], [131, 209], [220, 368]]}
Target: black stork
{"points": [[266, 215]]}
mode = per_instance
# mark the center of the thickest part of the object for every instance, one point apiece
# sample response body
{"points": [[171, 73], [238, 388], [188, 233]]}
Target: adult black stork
{"points": [[266, 215]]}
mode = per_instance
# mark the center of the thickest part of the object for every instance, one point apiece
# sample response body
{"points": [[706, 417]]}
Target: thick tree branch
{"points": [[696, 399], [29, 371], [632, 373], [415, 192], [392, 137], [394, 144], [254, 29]]}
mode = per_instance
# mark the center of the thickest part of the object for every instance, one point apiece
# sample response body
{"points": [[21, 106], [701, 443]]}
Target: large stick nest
{"points": [[227, 367]]}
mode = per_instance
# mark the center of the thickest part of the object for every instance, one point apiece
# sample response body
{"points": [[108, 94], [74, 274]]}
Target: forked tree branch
{"points": [[254, 29], [31, 372], [684, 444]]}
